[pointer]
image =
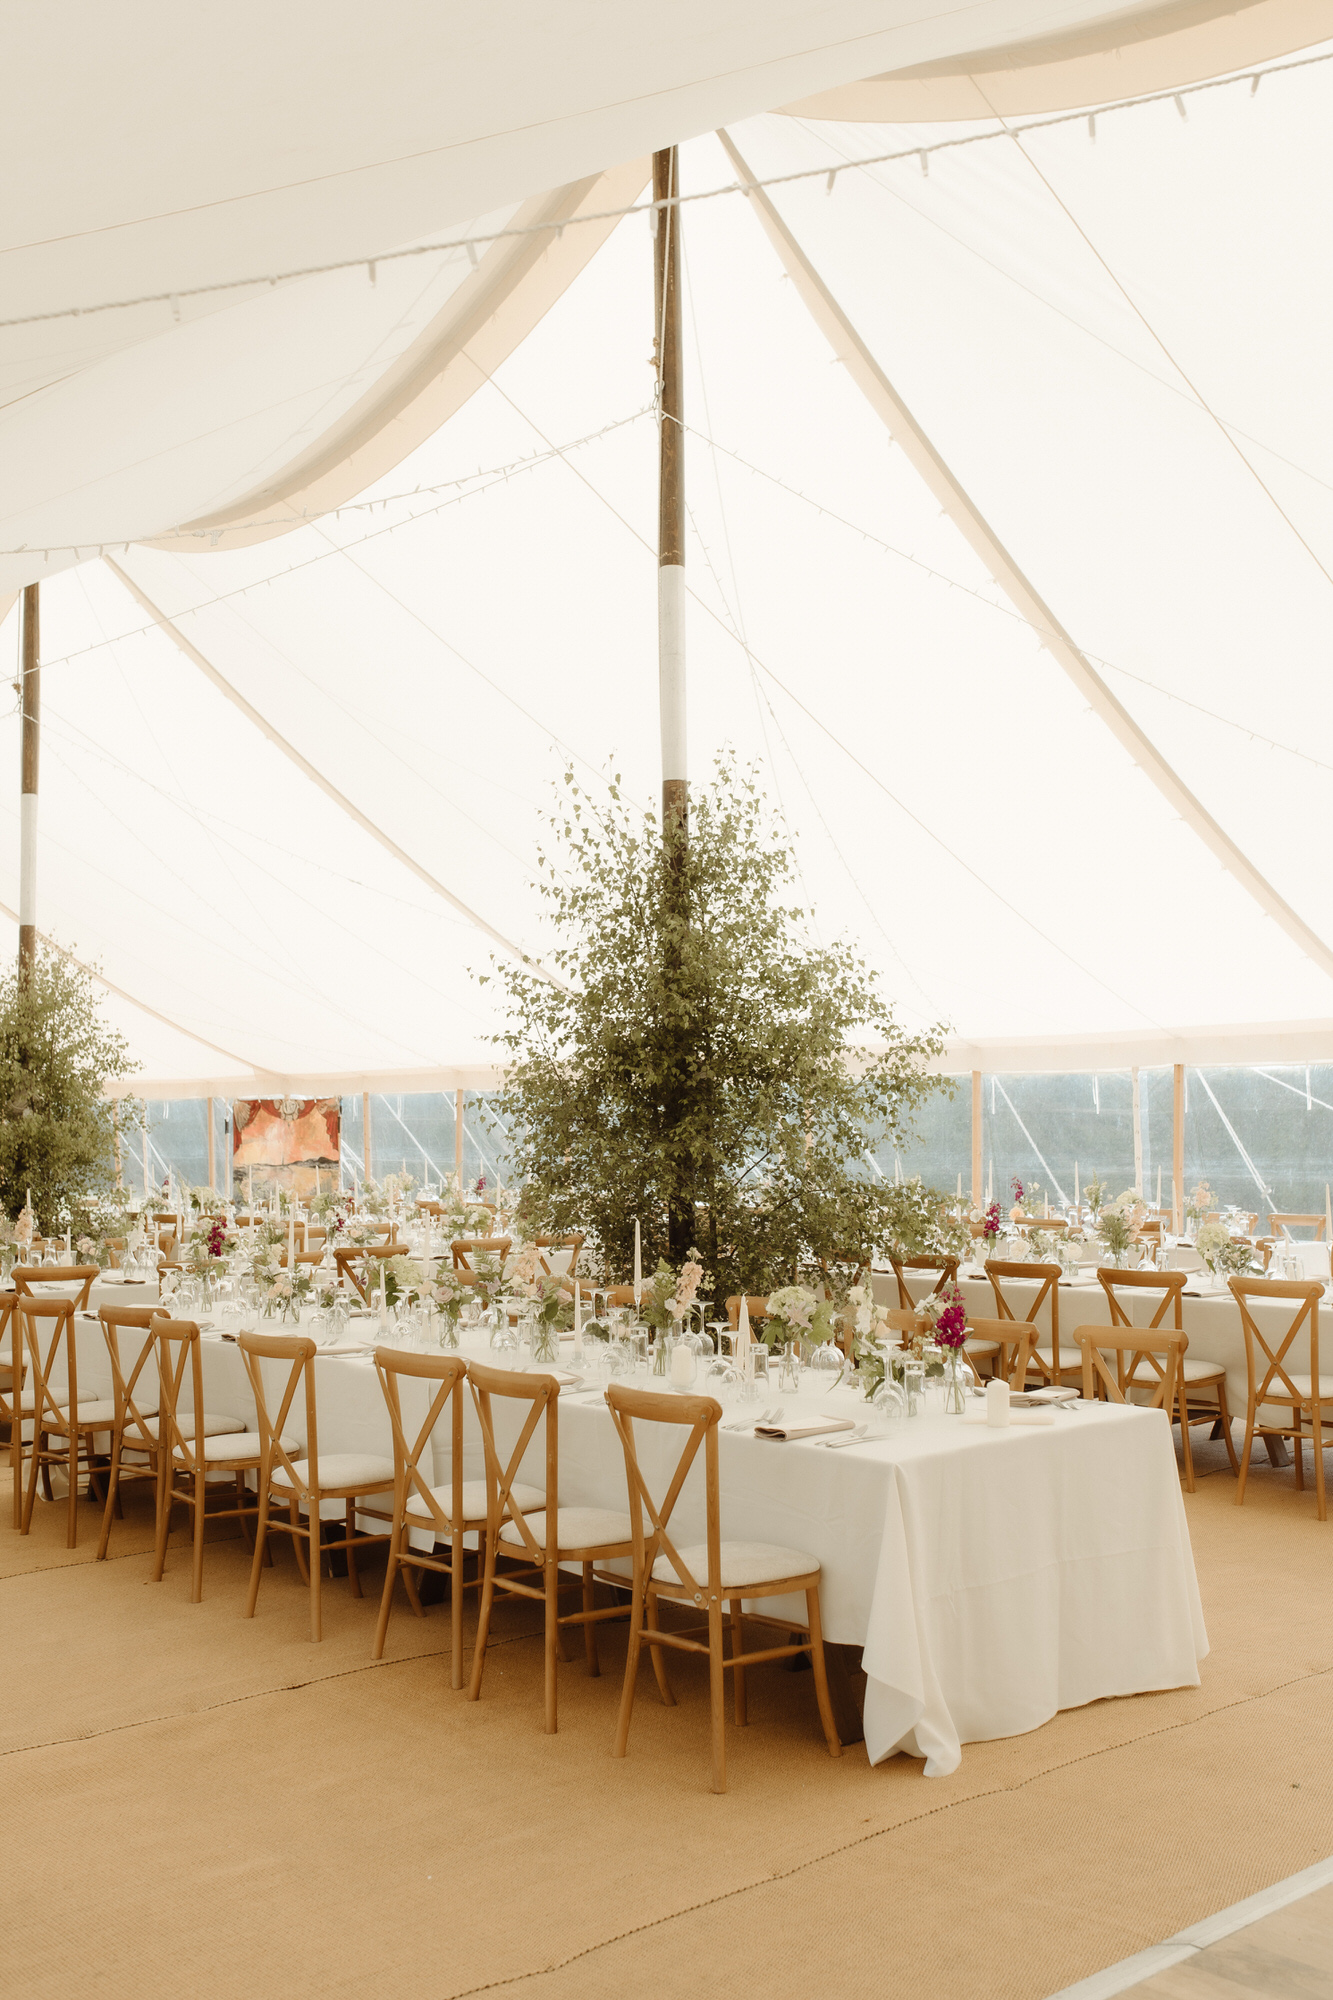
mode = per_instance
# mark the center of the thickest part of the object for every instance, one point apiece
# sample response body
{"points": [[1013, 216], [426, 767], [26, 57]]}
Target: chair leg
{"points": [[821, 1676], [483, 1622], [112, 1497], [352, 1576], [594, 1665], [738, 1673], [166, 1500], [658, 1653], [197, 1537], [1298, 1451], [631, 1672], [1243, 1470], [386, 1595], [241, 1497], [261, 1543], [1224, 1419], [1183, 1405], [456, 1608], [297, 1542], [1317, 1428], [316, 1572], [551, 1636], [72, 1501], [717, 1696], [413, 1594]]}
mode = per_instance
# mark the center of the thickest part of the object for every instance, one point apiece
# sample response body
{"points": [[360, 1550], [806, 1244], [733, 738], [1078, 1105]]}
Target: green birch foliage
{"points": [[57, 1134], [706, 1068]]}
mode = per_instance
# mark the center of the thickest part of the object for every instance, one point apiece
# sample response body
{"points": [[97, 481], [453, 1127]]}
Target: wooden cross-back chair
{"points": [[193, 1454], [135, 1389], [347, 1259], [446, 1512], [73, 1422], [757, 1304], [25, 1276], [947, 1267], [465, 1248], [1202, 1387], [705, 1576], [304, 1482], [538, 1540], [574, 1244], [1046, 1360], [1161, 1358], [1006, 1344], [1272, 1382], [1282, 1225]]}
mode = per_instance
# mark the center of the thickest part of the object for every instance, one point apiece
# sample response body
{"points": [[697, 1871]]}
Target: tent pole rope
{"points": [[316, 777], [884, 399]]}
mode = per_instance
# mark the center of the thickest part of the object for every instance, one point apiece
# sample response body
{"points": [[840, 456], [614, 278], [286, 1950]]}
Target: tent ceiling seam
{"points": [[316, 777], [884, 399]]}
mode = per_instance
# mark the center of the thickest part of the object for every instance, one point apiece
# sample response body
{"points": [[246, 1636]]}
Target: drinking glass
{"points": [[755, 1387]]}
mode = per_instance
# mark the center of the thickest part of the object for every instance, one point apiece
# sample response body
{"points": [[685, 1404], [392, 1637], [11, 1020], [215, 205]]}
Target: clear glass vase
{"points": [[545, 1341], [956, 1378]]}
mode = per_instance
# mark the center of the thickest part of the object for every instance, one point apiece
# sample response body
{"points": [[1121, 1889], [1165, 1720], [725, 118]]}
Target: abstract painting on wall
{"points": [[290, 1143]]}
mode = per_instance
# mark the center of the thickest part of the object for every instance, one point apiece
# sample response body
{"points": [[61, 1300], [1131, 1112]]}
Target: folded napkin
{"points": [[804, 1427], [1019, 1416], [564, 1376], [1032, 1399]]}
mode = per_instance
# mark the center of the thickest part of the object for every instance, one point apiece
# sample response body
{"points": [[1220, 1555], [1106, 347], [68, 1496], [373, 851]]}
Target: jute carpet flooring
{"points": [[197, 1804]]}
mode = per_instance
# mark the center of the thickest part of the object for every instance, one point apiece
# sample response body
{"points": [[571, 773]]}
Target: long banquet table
{"points": [[991, 1577]]}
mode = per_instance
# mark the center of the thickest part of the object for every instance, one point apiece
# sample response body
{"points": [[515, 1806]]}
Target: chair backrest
{"points": [[27, 1275], [448, 1372], [1047, 1277], [303, 1257], [946, 1266], [177, 1351], [1050, 1224], [758, 1309], [465, 1248], [542, 1394], [1282, 1225], [1272, 1367], [347, 1256], [857, 1262], [127, 1373], [1018, 1334], [1171, 1284], [47, 1413], [574, 1244], [17, 1367], [701, 1414], [298, 1350], [1161, 1359]]}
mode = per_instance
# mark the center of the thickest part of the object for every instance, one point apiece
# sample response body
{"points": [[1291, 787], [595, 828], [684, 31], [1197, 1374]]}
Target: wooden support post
{"points": [[976, 1139], [667, 342], [1137, 1109], [1178, 1150], [365, 1131], [212, 1149], [458, 1137], [30, 685]]}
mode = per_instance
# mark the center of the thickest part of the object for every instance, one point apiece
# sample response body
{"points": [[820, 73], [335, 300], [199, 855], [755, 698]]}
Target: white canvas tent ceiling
{"points": [[1118, 347]]}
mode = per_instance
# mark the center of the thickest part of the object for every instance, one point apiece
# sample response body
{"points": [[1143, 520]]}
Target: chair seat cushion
{"points": [[230, 1447], [356, 1471], [575, 1528], [1196, 1368], [745, 1565], [215, 1423], [1071, 1359], [95, 1410], [524, 1498], [981, 1347], [1302, 1384]]}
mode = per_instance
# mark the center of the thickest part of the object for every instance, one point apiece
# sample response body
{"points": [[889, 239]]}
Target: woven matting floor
{"points": [[199, 1804]]}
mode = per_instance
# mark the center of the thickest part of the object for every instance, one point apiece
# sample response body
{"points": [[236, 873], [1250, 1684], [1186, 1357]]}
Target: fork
{"points": [[748, 1423], [848, 1437]]}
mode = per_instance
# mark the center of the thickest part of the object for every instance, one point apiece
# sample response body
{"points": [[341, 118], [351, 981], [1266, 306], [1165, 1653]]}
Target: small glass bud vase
{"points": [[956, 1376], [545, 1341]]}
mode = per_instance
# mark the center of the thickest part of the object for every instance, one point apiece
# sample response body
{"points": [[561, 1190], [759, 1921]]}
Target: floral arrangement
{"points": [[1027, 1200], [1118, 1221], [401, 1279], [862, 1317], [1200, 1201], [445, 1293], [1223, 1253], [950, 1317], [796, 1314], [990, 1226], [1095, 1195], [669, 1297]]}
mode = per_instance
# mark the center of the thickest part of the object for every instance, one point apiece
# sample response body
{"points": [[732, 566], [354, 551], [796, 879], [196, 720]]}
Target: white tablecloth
{"points": [[992, 1578]]}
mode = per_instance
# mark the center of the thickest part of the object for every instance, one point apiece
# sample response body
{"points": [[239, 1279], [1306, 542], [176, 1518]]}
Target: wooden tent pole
{"points": [[1136, 1102], [1178, 1149], [31, 689], [667, 328], [976, 1139]]}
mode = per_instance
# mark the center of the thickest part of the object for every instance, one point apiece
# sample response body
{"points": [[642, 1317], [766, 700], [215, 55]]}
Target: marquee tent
{"points": [[341, 570]]}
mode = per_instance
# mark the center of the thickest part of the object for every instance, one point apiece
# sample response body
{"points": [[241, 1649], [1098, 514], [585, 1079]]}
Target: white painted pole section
{"points": [[28, 858], [888, 405], [671, 667]]}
